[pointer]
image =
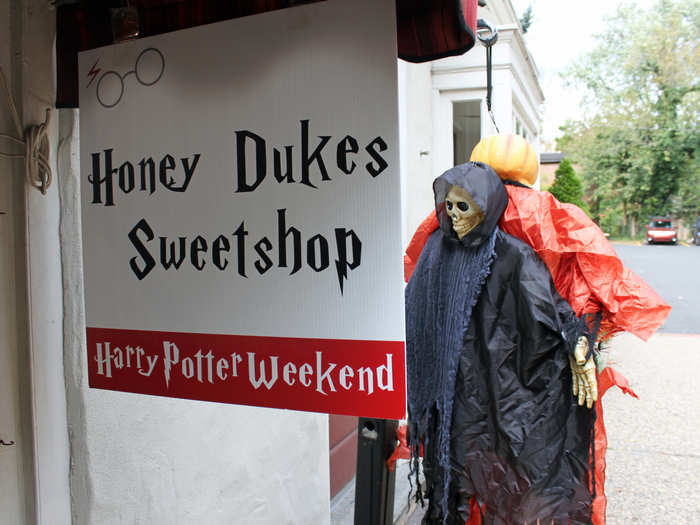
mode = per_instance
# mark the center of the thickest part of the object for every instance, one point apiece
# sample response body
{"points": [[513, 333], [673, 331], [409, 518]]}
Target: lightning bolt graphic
{"points": [[93, 72]]}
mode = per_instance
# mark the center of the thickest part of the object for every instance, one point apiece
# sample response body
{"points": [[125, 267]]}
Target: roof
{"points": [[551, 158]]}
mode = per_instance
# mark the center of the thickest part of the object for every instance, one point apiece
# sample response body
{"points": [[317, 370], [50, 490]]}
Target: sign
{"points": [[241, 212]]}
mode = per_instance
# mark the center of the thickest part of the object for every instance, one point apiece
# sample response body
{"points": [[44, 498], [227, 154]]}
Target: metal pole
{"points": [[374, 484]]}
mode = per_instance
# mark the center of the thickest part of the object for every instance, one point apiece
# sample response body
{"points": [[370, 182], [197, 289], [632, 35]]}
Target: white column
{"points": [[44, 291]]}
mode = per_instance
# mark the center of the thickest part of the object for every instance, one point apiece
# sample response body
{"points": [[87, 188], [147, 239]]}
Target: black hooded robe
{"points": [[518, 441]]}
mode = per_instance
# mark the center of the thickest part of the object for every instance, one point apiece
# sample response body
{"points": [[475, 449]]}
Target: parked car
{"points": [[696, 234], [661, 229]]}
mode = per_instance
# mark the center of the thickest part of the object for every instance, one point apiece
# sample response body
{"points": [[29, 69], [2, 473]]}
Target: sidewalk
{"points": [[343, 504], [653, 461]]}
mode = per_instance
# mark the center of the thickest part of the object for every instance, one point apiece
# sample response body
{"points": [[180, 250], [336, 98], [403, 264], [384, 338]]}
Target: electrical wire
{"points": [[36, 145]]}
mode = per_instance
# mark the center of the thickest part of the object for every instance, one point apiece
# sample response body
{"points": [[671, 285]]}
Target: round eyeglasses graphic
{"points": [[148, 69]]}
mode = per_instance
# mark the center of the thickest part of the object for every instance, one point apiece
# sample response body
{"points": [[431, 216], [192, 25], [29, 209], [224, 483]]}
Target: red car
{"points": [[661, 229]]}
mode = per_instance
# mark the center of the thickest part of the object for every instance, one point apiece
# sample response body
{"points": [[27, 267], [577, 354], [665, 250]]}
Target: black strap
{"points": [[488, 42]]}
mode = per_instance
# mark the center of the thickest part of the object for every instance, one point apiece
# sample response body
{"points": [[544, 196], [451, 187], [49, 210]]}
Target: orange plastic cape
{"points": [[587, 273], [584, 266]]}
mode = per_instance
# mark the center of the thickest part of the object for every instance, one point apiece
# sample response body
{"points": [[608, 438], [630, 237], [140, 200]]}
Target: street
{"points": [[653, 460], [674, 272]]}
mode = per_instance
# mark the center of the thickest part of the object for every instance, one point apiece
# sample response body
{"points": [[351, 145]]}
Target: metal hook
{"points": [[488, 42], [2, 442], [482, 26]]}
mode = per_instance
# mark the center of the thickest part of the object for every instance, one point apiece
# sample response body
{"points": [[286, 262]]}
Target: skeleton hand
{"points": [[585, 385]]}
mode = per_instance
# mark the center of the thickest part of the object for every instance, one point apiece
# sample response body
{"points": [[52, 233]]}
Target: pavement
{"points": [[343, 504], [653, 460]]}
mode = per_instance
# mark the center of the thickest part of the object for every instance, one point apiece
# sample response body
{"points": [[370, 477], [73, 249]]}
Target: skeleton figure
{"points": [[490, 353], [589, 275], [466, 215]]}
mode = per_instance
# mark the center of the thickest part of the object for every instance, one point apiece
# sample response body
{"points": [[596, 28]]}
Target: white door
{"points": [[16, 492]]}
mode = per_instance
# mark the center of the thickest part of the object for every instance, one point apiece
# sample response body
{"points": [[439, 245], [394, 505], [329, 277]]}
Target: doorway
{"points": [[466, 129]]}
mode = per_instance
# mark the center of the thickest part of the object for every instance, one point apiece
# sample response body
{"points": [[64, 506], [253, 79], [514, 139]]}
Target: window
{"points": [[520, 128]]}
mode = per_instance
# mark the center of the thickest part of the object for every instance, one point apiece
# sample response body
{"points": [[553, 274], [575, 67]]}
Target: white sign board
{"points": [[241, 211]]}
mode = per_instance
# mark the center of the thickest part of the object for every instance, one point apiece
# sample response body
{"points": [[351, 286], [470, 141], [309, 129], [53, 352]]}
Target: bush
{"points": [[567, 186]]}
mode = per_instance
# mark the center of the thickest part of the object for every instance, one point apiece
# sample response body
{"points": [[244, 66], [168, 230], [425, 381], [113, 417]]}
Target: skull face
{"points": [[463, 210]]}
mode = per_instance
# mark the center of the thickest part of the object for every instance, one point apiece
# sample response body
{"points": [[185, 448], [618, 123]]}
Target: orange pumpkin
{"points": [[511, 156]]}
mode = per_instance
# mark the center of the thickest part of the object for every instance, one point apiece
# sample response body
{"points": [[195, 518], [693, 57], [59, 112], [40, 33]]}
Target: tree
{"points": [[639, 143], [526, 19], [567, 186]]}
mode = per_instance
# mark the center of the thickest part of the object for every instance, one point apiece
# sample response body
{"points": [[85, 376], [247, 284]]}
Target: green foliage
{"points": [[526, 19], [567, 186], [638, 146]]}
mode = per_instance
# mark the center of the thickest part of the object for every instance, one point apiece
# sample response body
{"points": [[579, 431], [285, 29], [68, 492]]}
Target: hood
{"points": [[487, 190]]}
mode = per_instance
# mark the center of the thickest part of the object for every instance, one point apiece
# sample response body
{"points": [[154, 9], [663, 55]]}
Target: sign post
{"points": [[374, 484]]}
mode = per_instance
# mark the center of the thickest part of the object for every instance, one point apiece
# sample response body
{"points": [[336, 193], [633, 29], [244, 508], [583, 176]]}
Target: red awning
{"points": [[427, 29]]}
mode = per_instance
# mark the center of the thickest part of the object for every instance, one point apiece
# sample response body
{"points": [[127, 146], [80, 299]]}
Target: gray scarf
{"points": [[439, 299]]}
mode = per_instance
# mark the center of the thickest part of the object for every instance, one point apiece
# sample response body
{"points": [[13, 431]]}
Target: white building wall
{"points": [[516, 94], [526, 92], [133, 459], [16, 461], [417, 145], [29, 68]]}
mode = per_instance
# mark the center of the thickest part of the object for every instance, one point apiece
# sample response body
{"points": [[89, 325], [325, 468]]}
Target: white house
{"points": [[443, 113]]}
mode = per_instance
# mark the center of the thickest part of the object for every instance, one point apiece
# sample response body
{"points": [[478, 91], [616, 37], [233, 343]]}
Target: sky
{"points": [[562, 30]]}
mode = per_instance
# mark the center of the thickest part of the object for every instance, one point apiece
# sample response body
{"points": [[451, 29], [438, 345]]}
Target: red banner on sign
{"points": [[362, 378]]}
